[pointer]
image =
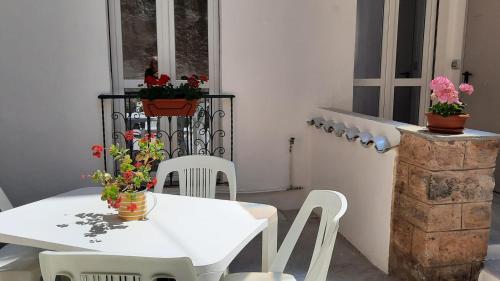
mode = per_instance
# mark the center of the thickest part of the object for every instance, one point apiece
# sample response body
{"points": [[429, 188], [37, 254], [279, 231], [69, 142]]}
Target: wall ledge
{"points": [[467, 135]]}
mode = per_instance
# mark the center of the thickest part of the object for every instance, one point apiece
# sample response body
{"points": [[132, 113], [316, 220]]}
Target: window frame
{"points": [[165, 29]]}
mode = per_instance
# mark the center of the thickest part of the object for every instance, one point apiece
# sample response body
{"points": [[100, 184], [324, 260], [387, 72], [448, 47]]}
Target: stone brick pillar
{"points": [[442, 204]]}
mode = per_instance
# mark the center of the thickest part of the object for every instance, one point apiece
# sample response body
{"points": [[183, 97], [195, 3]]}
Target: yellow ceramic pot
{"points": [[132, 206]]}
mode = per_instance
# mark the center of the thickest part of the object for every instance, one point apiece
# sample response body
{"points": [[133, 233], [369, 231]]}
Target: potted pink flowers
{"points": [[447, 114]]}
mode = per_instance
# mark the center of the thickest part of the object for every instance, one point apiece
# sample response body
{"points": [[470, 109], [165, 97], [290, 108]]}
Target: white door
{"points": [[394, 56], [482, 60]]}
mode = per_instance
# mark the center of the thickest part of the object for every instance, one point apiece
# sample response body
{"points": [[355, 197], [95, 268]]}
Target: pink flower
{"points": [[466, 88], [444, 91], [453, 98], [441, 83]]}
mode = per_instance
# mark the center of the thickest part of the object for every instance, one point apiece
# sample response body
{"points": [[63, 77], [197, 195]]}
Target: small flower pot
{"points": [[453, 124], [169, 107], [132, 206]]}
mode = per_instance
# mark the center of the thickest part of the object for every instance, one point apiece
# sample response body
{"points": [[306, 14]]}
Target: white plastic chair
{"points": [[103, 266], [197, 175], [334, 206], [17, 263]]}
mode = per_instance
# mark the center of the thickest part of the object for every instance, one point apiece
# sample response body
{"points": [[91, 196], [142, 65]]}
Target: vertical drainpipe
{"points": [[291, 142]]}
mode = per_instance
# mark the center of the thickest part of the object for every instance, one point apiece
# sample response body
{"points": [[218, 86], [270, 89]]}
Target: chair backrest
{"points": [[334, 206], [102, 266], [197, 175], [4, 201]]}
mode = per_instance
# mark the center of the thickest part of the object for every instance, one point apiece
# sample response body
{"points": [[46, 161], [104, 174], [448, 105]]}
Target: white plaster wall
{"points": [[363, 175], [481, 58], [282, 58], [53, 64]]}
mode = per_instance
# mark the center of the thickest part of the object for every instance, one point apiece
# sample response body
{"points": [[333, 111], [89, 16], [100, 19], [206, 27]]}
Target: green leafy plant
{"points": [[445, 109], [134, 174]]}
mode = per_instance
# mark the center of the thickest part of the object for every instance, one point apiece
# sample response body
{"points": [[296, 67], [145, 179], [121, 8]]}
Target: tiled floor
{"points": [[348, 263]]}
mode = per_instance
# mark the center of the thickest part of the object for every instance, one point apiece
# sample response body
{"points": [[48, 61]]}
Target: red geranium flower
{"points": [[204, 78], [151, 184], [132, 207], [164, 79], [129, 135], [147, 137], [138, 164], [97, 150], [193, 82], [152, 81], [128, 175], [149, 80], [114, 203]]}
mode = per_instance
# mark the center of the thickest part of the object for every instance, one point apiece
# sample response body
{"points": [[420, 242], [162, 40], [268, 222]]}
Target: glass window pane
{"points": [[369, 33], [191, 37], [406, 104], [138, 22], [366, 100], [411, 26]]}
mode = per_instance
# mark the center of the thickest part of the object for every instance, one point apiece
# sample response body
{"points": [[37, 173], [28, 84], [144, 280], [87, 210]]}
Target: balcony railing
{"points": [[209, 131]]}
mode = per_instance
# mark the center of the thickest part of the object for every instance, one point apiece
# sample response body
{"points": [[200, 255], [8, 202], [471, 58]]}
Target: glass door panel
{"points": [[366, 100], [406, 104], [411, 27], [369, 35], [139, 44], [191, 37]]}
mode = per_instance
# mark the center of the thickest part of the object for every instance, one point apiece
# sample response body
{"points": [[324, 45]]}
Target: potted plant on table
{"points": [[447, 114], [126, 191], [162, 98]]}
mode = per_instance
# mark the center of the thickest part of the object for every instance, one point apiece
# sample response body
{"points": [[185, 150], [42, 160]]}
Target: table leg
{"points": [[269, 243]]}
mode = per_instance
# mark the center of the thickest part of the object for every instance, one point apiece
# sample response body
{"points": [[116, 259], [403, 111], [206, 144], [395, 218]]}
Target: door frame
{"points": [[388, 80]]}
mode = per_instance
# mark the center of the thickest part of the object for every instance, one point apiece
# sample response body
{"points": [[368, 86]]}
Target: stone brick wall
{"points": [[442, 206]]}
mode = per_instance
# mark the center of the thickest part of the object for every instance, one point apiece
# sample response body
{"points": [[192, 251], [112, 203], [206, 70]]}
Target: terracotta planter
{"points": [[449, 125], [138, 212], [169, 107]]}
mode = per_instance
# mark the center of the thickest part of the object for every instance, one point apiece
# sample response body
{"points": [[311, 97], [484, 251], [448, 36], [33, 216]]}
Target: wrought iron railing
{"points": [[209, 131]]}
